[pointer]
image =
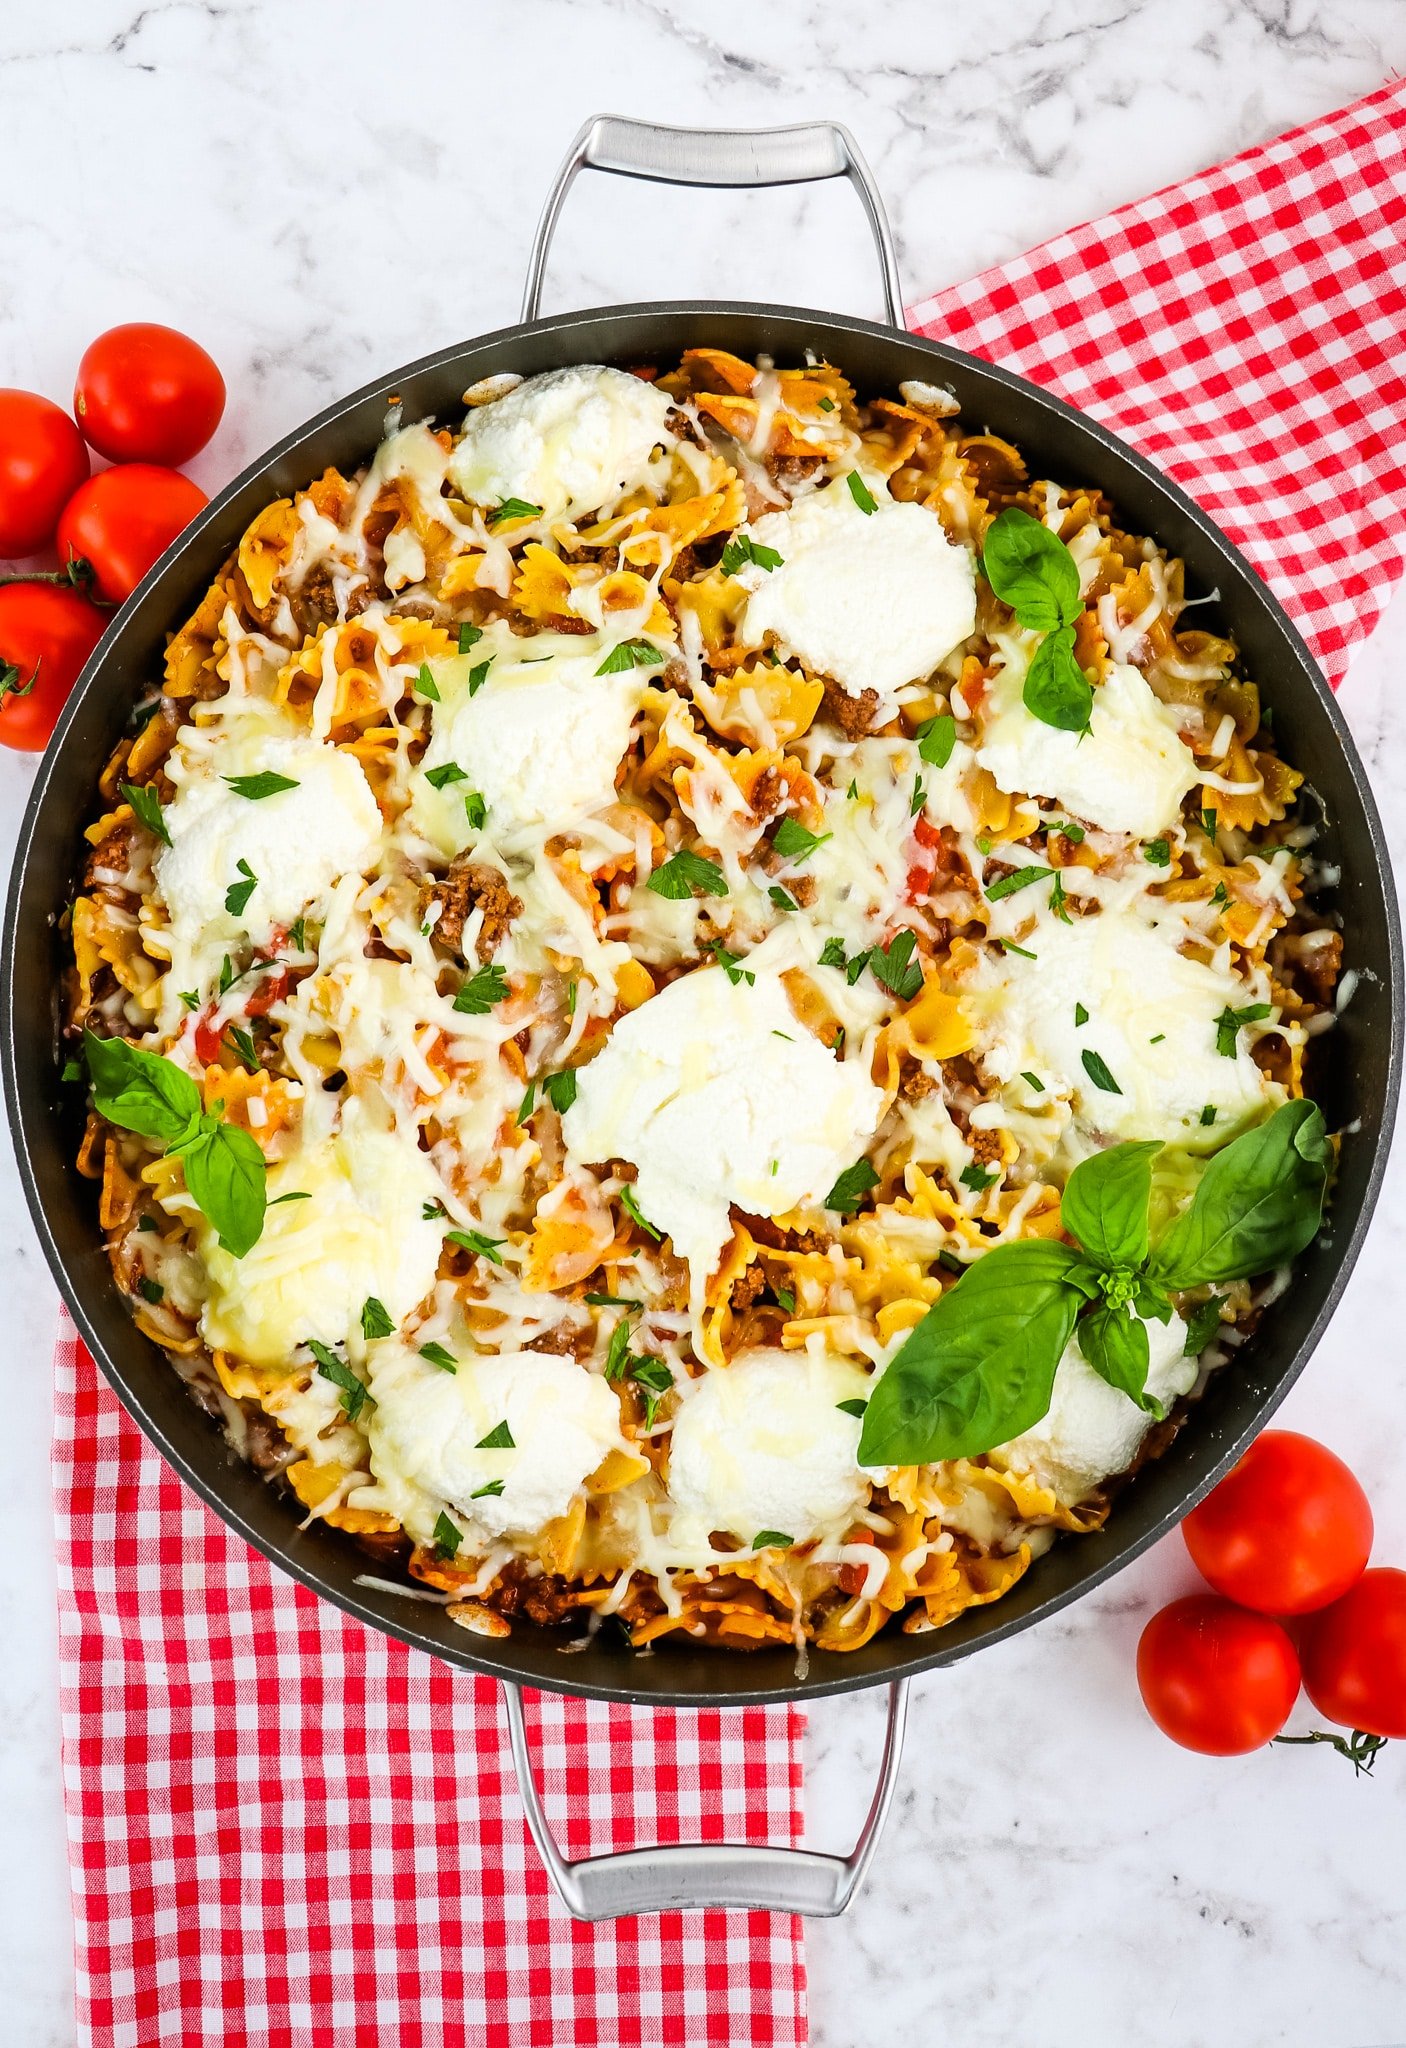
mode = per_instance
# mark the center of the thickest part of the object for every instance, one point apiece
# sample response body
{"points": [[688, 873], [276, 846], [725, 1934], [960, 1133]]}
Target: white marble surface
{"points": [[323, 190]]}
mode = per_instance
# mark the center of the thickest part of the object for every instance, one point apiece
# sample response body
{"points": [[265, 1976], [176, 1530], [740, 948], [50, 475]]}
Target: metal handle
{"points": [[726, 156], [684, 1877]]}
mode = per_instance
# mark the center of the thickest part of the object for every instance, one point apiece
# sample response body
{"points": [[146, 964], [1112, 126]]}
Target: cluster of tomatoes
{"points": [[147, 398], [1284, 1541]]}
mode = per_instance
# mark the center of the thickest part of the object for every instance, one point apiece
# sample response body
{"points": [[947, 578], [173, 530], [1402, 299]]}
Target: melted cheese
{"points": [[762, 1444], [428, 1426], [1128, 773], [1151, 1019], [540, 738], [572, 439], [360, 1232], [875, 600], [1092, 1430], [716, 1094]]}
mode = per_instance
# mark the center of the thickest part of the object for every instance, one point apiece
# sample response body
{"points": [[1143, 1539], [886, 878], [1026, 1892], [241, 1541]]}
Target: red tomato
{"points": [[122, 519], [1354, 1655], [148, 394], [1286, 1531], [42, 463], [47, 632], [923, 864], [1215, 1678]]}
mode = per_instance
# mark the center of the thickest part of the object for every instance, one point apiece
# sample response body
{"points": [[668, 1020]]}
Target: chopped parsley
{"points": [[435, 1354], [354, 1394], [475, 810], [1073, 833], [1159, 852], [375, 1319], [617, 1357], [297, 934], [469, 635], [794, 843], [1210, 823], [1019, 878], [499, 1438], [241, 1044], [852, 793], [860, 492], [238, 893], [429, 1210], [1209, 1114], [478, 676], [560, 1089], [685, 873], [936, 739], [979, 1178], [256, 786], [771, 1539], [613, 1301], [731, 964], [485, 987], [146, 805], [855, 1407], [1229, 1022], [149, 1289], [425, 684], [190, 999], [1097, 1071], [474, 1241], [528, 1103], [826, 404], [780, 898], [492, 1490], [785, 1299], [636, 1215], [1059, 899], [742, 549], [1081, 1015], [832, 953], [447, 1537], [449, 772], [1033, 1081], [514, 508], [920, 797], [571, 999], [631, 654], [851, 1187], [895, 968], [1220, 897]]}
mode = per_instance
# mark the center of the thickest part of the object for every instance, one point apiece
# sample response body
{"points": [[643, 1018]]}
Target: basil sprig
{"points": [[224, 1168], [1032, 571], [980, 1367]]}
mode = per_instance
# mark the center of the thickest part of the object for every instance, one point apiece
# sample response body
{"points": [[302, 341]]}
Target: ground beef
{"points": [[748, 1287], [772, 1235], [853, 715], [561, 1341], [986, 1146], [112, 852], [913, 1083], [471, 885], [792, 468], [548, 1601], [315, 601], [682, 427], [767, 792]]}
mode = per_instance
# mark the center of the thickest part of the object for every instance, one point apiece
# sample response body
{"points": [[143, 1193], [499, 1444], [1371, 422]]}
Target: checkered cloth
{"points": [[287, 1830], [1246, 331]]}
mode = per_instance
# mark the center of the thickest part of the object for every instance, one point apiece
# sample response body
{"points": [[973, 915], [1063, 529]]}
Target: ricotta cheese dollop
{"points": [[875, 599], [295, 842], [574, 438], [717, 1094], [428, 1426], [360, 1231], [763, 1444], [1092, 1430], [1127, 773], [540, 738], [1115, 987]]}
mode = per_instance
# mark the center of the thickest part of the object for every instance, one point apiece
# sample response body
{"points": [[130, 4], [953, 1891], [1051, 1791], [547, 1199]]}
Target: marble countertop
{"points": [[323, 191]]}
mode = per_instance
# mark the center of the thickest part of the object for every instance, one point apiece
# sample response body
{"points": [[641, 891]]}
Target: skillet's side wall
{"points": [[47, 1119]]}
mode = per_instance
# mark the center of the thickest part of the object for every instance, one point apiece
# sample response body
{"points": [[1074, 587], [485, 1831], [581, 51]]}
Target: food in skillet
{"points": [[697, 998]]}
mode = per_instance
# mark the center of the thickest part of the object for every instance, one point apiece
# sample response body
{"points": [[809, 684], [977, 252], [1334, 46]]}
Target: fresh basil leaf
{"points": [[140, 1091], [851, 1187], [631, 654], [936, 739], [1057, 691], [771, 1539], [742, 549], [447, 1537], [449, 772], [375, 1319], [1096, 1067], [893, 965], [1032, 571], [1257, 1205], [436, 1354], [514, 508], [256, 786], [1202, 1326], [1115, 1344], [486, 986], [499, 1438], [355, 1395], [979, 1369], [238, 893], [225, 1175], [860, 492], [793, 842], [474, 1241], [685, 872], [1105, 1200]]}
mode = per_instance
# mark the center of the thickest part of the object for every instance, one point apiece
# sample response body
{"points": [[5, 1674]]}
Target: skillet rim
{"points": [[545, 1665]]}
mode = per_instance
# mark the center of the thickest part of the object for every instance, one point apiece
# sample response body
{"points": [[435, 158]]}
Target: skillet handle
{"points": [[686, 1876], [717, 156]]}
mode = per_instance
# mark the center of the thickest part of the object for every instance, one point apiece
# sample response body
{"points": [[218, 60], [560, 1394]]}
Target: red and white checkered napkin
{"points": [[286, 1829], [1247, 332]]}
